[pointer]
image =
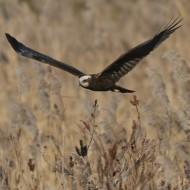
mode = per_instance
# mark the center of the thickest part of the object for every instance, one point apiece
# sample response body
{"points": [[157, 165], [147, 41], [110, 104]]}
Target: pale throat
{"points": [[85, 80]]}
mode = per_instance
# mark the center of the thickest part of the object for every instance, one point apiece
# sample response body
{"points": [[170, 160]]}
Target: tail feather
{"points": [[121, 90]]}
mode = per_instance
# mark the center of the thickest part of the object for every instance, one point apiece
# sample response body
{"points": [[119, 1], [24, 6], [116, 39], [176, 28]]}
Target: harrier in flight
{"points": [[105, 80]]}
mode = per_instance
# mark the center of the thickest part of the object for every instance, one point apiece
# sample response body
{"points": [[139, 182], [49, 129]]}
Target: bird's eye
{"points": [[85, 80]]}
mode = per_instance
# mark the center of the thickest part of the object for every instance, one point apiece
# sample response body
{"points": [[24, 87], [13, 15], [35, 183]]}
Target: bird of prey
{"points": [[105, 80]]}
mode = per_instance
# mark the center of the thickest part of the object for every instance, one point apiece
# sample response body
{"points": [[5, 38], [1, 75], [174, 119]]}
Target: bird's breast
{"points": [[100, 83]]}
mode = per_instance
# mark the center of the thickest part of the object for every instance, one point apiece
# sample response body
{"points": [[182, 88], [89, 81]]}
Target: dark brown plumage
{"points": [[105, 80]]}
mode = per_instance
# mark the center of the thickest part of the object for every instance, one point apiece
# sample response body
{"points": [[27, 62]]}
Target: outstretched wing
{"points": [[129, 60], [27, 52]]}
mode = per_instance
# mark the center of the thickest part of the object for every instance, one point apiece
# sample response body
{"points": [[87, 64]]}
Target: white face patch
{"points": [[84, 80]]}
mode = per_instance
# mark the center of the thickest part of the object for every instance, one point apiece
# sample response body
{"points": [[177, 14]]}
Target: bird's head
{"points": [[84, 81]]}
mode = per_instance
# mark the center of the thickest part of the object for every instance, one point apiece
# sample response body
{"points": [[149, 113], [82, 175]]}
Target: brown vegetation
{"points": [[56, 135]]}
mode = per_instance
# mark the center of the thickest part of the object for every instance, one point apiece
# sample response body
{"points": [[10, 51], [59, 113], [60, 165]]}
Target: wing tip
{"points": [[173, 24], [9, 37], [13, 42]]}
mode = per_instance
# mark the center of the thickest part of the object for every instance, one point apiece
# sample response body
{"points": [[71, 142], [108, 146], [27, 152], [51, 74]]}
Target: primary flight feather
{"points": [[105, 80]]}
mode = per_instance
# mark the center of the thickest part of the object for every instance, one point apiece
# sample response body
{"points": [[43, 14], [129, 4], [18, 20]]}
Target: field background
{"points": [[44, 113]]}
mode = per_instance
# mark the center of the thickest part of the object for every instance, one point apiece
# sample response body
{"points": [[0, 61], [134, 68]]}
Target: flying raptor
{"points": [[105, 80]]}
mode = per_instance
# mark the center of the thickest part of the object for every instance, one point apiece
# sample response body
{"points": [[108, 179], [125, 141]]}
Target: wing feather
{"points": [[30, 53], [129, 60]]}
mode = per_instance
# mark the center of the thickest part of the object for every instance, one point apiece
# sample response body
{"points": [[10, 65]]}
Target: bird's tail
{"points": [[121, 89]]}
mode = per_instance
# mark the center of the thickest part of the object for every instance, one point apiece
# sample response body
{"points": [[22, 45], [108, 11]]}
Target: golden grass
{"points": [[54, 135]]}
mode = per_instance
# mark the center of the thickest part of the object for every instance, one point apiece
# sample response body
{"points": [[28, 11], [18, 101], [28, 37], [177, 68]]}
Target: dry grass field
{"points": [[55, 135]]}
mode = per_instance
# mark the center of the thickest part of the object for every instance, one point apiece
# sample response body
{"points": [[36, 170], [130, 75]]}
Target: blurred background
{"points": [[48, 104]]}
